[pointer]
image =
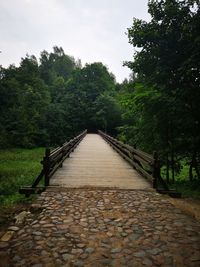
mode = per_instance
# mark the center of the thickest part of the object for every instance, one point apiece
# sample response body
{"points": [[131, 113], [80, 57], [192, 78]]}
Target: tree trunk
{"points": [[195, 164], [172, 165], [167, 169], [190, 172]]}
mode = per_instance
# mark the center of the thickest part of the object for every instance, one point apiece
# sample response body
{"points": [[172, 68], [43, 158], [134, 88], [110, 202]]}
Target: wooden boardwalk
{"points": [[95, 164]]}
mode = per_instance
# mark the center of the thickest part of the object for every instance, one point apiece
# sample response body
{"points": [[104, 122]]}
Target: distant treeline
{"points": [[46, 102]]}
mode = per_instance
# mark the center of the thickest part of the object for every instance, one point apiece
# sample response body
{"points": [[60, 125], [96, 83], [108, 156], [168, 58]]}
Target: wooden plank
{"points": [[55, 150], [145, 173], [142, 160], [135, 165], [55, 158], [38, 179], [54, 169], [145, 156], [137, 154], [95, 163], [27, 190]]}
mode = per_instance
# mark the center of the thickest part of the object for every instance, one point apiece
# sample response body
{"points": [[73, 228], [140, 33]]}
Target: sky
{"points": [[91, 30]]}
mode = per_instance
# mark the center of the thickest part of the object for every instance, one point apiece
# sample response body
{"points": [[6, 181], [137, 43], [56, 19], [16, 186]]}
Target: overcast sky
{"points": [[92, 30]]}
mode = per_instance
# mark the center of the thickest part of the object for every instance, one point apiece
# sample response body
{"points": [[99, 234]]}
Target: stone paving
{"points": [[96, 227]]}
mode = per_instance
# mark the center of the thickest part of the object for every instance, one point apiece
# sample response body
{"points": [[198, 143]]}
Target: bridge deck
{"points": [[94, 163]]}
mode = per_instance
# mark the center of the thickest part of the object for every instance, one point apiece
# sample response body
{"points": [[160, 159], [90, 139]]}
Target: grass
{"points": [[185, 186], [189, 189], [18, 167]]}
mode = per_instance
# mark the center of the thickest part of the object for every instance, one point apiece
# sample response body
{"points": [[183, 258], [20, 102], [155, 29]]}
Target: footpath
{"points": [[102, 227]]}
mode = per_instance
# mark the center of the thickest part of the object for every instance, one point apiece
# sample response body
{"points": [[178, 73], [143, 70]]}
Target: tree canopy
{"points": [[164, 109], [48, 101]]}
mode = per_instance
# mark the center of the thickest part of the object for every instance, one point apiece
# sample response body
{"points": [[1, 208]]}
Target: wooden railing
{"points": [[147, 165], [52, 160]]}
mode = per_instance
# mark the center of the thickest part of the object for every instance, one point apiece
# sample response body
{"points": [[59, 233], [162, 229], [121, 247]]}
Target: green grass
{"points": [[189, 189], [18, 167], [185, 186]]}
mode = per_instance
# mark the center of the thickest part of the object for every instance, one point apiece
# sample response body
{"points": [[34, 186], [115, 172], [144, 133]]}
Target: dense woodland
{"points": [[46, 101], [163, 110]]}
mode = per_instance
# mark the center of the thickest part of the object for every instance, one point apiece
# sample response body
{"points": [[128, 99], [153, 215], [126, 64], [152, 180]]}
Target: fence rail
{"points": [[148, 165], [52, 160]]}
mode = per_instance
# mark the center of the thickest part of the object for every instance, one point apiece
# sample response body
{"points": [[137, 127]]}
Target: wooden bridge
{"points": [[94, 163], [99, 160]]}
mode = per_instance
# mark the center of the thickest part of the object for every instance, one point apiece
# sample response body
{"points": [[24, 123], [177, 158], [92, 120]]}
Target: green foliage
{"points": [[25, 98], [47, 103], [108, 113], [169, 62], [188, 188], [18, 167], [56, 64], [160, 105]]}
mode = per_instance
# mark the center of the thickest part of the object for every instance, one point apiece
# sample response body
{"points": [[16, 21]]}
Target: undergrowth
{"points": [[189, 189], [18, 167]]}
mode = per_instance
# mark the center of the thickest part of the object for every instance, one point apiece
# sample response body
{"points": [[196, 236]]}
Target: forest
{"points": [[46, 101]]}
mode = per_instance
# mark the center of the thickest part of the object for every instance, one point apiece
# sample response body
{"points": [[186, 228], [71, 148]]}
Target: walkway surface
{"points": [[84, 227], [95, 163]]}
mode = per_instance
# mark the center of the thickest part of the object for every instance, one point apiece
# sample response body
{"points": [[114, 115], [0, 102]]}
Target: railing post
{"points": [[63, 154], [156, 169], [46, 166], [133, 157]]}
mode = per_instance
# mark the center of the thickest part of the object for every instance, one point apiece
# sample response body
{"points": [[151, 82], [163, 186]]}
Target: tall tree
{"points": [[56, 64], [168, 62]]}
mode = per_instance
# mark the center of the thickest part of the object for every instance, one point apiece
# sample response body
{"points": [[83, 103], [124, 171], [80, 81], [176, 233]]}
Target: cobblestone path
{"points": [[93, 227]]}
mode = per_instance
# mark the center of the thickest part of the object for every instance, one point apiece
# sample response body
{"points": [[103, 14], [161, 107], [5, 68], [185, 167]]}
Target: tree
{"points": [[56, 64], [168, 64], [24, 102], [85, 87], [49, 102], [108, 113]]}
